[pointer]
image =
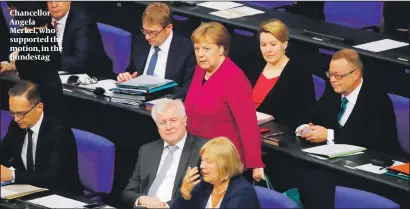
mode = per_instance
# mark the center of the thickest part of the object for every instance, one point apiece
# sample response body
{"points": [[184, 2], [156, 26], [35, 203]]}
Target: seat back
{"points": [[354, 14], [117, 45], [401, 110], [320, 86], [95, 162], [354, 198], [271, 199], [5, 122]]}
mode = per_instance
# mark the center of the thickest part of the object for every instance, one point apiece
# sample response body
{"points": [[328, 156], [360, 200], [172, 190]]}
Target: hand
{"points": [[317, 134], [258, 174], [151, 202], [6, 174], [190, 180], [126, 76], [7, 67]]}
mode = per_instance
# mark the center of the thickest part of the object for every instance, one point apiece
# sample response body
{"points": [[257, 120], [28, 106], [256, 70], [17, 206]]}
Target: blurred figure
{"points": [[219, 100], [222, 185]]}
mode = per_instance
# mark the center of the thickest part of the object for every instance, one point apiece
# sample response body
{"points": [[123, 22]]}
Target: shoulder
{"points": [[240, 186], [198, 141], [179, 40], [149, 146]]}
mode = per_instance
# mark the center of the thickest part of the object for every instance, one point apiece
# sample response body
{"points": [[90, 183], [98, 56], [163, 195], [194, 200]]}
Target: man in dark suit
{"points": [[161, 52], [162, 164], [354, 111], [79, 40], [42, 152]]}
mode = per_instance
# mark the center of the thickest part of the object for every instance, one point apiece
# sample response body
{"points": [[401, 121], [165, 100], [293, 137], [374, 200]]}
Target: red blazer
{"points": [[223, 106]]}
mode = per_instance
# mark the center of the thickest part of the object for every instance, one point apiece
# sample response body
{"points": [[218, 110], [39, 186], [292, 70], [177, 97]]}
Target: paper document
{"points": [[381, 45], [220, 5], [334, 150], [237, 12], [263, 118], [144, 80], [57, 201], [19, 190], [376, 169]]}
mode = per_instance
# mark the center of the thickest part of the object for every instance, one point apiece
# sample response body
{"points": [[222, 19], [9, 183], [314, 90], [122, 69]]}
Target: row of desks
{"points": [[128, 127]]}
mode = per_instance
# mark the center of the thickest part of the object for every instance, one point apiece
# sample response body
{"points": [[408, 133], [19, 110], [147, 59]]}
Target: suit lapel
{"points": [[357, 109], [155, 161], [183, 161], [172, 58], [41, 140]]}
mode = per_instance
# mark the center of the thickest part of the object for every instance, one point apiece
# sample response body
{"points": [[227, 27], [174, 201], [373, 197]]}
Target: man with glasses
{"points": [[162, 164], [354, 111], [36, 149], [160, 52]]}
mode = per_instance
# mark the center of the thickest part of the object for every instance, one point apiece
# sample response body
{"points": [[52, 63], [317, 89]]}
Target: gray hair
{"points": [[167, 104]]}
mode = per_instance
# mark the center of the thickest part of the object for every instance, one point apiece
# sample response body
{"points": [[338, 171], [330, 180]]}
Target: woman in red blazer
{"points": [[219, 100]]}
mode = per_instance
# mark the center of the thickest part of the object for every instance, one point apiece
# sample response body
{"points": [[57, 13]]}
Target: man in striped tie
{"points": [[36, 149]]}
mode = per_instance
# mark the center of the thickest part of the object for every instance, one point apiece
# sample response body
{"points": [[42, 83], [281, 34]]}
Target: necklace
{"points": [[218, 193]]}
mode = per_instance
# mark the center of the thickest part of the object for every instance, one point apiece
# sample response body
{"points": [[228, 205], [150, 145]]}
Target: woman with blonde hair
{"points": [[219, 99], [222, 186], [284, 87]]}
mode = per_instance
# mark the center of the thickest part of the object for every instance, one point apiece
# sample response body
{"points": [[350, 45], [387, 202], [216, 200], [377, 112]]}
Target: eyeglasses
{"points": [[75, 80], [21, 115], [153, 34], [339, 77]]}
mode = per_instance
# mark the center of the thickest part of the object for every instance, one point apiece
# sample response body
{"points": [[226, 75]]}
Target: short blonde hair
{"points": [[213, 33], [351, 56], [157, 13], [275, 27], [224, 153]]}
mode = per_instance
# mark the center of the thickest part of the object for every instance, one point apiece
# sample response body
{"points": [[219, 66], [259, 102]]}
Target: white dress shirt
{"points": [[36, 130], [161, 65], [164, 192], [351, 102], [60, 29]]}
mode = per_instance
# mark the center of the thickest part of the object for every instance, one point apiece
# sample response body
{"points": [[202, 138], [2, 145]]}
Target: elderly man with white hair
{"points": [[162, 164]]}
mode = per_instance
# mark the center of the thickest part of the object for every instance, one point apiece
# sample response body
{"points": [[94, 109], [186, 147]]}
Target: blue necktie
{"points": [[342, 109], [153, 61]]}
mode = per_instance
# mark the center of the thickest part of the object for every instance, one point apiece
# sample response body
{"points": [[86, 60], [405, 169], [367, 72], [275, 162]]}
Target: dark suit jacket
{"points": [[83, 49], [149, 157], [240, 194], [372, 123], [292, 97], [56, 157], [4, 40], [181, 61]]}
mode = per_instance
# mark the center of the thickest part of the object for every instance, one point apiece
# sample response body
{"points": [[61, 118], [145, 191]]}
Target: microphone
{"points": [[96, 91]]}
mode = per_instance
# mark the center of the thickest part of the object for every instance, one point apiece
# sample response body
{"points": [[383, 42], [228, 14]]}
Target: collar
{"points": [[36, 127], [63, 20], [167, 43], [180, 144], [352, 97]]}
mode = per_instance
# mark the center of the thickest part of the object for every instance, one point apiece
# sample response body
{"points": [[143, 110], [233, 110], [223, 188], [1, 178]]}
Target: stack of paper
{"points": [[334, 150], [19, 190], [237, 12], [57, 201], [263, 118]]}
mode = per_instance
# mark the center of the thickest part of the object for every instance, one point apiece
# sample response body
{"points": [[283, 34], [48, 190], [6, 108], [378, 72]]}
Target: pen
{"points": [[275, 134]]}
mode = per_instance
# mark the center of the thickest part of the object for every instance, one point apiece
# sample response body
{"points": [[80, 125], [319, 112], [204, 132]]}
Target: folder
{"points": [[403, 168]]}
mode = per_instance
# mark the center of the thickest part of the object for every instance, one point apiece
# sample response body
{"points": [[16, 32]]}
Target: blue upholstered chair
{"points": [[354, 198], [401, 110], [271, 199], [5, 122], [320, 86], [95, 163], [365, 15], [117, 45]]}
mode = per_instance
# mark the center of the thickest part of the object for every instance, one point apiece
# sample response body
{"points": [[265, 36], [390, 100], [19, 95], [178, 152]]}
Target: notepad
{"points": [[57, 201], [334, 150], [263, 118], [19, 190]]}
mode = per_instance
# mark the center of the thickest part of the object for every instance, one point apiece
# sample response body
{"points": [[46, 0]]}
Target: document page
{"points": [[332, 150], [381, 45], [219, 5], [237, 12], [57, 201]]}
